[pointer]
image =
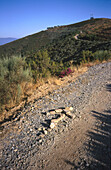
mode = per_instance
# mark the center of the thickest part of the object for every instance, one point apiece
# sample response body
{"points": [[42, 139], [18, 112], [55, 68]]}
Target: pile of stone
{"points": [[61, 114]]}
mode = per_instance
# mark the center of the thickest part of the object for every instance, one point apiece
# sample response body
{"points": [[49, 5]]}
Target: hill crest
{"points": [[101, 27]]}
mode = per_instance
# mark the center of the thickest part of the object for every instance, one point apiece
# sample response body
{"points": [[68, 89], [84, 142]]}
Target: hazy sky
{"points": [[19, 18]]}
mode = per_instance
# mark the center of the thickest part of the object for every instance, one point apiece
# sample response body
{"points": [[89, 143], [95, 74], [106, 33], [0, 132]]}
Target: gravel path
{"points": [[21, 145]]}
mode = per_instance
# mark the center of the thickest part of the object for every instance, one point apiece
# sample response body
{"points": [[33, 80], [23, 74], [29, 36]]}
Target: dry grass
{"points": [[31, 91], [43, 87]]}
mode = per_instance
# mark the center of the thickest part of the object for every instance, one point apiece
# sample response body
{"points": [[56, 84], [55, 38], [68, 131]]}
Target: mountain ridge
{"points": [[99, 27]]}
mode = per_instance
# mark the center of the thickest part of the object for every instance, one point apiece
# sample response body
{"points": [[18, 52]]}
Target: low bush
{"points": [[13, 73], [65, 73], [42, 66], [100, 55]]}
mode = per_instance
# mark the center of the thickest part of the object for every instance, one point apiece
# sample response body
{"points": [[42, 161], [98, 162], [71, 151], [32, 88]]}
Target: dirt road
{"points": [[80, 143], [88, 143]]}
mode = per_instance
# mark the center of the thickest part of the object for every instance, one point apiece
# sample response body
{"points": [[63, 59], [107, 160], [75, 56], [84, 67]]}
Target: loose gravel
{"points": [[30, 134]]}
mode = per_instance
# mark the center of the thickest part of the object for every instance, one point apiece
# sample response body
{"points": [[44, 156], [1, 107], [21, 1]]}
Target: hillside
{"points": [[95, 33]]}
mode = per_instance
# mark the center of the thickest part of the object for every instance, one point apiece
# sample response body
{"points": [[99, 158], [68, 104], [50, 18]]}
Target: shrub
{"points": [[65, 73], [39, 64], [42, 66], [13, 72], [68, 71], [102, 55]]}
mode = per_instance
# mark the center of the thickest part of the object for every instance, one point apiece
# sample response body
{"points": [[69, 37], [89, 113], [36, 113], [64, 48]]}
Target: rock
{"points": [[52, 112], [15, 150], [52, 125], [87, 165], [49, 130], [70, 115], [58, 119], [43, 128], [45, 132], [42, 135], [68, 109], [58, 110], [47, 113], [39, 129], [40, 141]]}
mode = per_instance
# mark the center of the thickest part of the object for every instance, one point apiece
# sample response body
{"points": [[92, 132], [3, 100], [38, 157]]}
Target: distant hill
{"points": [[93, 34], [6, 40]]}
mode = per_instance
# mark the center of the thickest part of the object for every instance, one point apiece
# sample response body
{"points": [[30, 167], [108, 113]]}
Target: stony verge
{"points": [[39, 90], [34, 131]]}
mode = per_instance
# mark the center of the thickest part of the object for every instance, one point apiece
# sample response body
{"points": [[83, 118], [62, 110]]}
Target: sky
{"points": [[19, 18]]}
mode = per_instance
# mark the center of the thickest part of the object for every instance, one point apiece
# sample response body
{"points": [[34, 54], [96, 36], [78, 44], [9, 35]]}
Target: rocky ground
{"points": [[79, 141]]}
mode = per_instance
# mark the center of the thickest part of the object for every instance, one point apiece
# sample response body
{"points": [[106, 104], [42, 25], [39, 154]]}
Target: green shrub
{"points": [[87, 56], [13, 72], [42, 66], [39, 64], [100, 55]]}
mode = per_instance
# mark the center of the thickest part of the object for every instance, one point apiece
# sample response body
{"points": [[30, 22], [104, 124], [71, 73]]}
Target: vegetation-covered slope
{"points": [[95, 29]]}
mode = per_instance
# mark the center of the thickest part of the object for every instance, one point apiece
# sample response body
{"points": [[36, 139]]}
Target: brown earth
{"points": [[87, 145]]}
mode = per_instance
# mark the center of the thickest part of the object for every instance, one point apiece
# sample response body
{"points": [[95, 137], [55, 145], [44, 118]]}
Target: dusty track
{"points": [[80, 143], [88, 144]]}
